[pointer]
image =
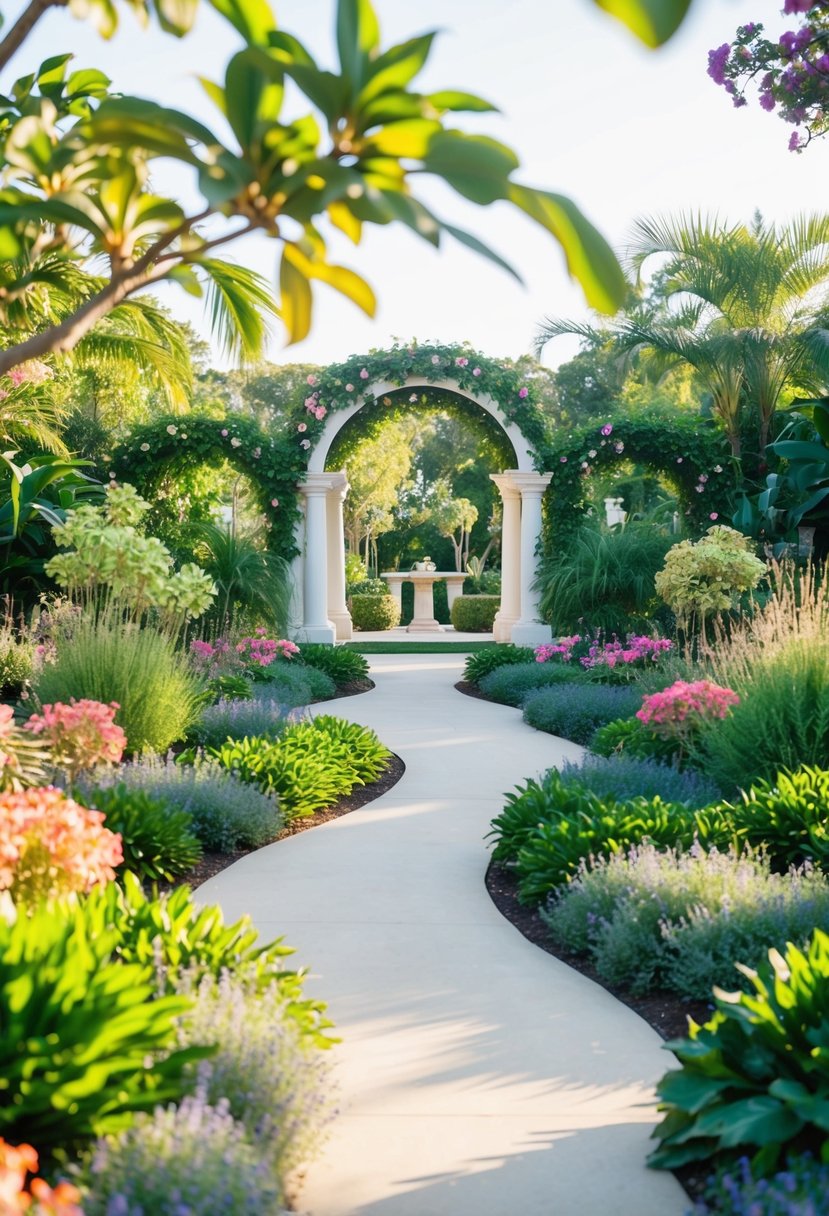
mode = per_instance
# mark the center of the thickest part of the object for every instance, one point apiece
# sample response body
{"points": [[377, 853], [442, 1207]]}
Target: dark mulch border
{"points": [[212, 864], [471, 690]]}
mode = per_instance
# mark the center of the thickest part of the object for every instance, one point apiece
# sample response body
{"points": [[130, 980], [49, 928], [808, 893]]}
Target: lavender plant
{"points": [[274, 1076], [261, 716], [576, 711], [622, 777], [798, 1190], [226, 813], [192, 1158], [682, 920]]}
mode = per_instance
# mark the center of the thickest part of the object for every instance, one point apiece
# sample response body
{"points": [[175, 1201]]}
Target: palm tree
{"points": [[250, 580], [744, 306]]}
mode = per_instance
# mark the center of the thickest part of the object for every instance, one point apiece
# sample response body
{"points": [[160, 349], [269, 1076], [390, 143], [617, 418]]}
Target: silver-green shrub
{"points": [[651, 919], [192, 1158], [277, 1080]]}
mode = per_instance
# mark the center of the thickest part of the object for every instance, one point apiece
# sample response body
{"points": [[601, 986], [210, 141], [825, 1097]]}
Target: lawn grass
{"points": [[417, 647]]}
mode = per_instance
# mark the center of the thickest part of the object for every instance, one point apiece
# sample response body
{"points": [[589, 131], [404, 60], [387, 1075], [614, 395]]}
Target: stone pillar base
{"points": [[342, 623], [424, 625], [326, 634], [502, 627], [530, 633]]}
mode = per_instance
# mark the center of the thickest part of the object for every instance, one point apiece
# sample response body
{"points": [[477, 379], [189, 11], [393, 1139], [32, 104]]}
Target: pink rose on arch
{"points": [[311, 380], [436, 359], [302, 427], [364, 374], [607, 429], [224, 433], [349, 388], [461, 361], [523, 392], [274, 502], [713, 515], [476, 371], [320, 412]]}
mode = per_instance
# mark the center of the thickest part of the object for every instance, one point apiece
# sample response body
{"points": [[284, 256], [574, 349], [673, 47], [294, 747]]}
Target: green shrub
{"points": [[342, 665], [157, 840], [576, 711], [754, 1079], [680, 921], [475, 613], [367, 586], [525, 808], [310, 766], [482, 662], [630, 737], [15, 665], [584, 826], [78, 1029], [236, 719], [225, 813], [623, 776], [275, 1081], [191, 1158], [511, 683], [230, 688], [604, 579], [106, 661], [788, 817], [782, 720], [292, 686], [374, 612]]}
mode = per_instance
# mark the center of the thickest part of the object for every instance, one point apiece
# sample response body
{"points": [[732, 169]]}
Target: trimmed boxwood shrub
{"points": [[374, 612], [475, 613]]}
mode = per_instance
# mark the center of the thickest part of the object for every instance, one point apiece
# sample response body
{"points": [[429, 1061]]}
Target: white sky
{"points": [[592, 114]]}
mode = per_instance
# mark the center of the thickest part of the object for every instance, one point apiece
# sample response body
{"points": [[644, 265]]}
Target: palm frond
{"points": [[241, 308]]}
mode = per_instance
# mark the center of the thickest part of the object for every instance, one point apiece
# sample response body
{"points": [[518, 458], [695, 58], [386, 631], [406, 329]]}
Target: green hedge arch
{"points": [[175, 443], [689, 451]]}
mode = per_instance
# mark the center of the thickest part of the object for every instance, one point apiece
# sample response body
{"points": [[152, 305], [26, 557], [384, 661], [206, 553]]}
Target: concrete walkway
{"points": [[479, 1075]]}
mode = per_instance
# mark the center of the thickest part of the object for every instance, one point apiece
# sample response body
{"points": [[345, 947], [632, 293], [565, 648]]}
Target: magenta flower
{"points": [[364, 374], [562, 460], [476, 371], [523, 392], [274, 502], [713, 515], [224, 433], [607, 429]]}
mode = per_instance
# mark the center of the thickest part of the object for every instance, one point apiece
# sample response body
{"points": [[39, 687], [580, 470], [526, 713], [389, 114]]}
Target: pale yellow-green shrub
{"points": [[703, 578]]}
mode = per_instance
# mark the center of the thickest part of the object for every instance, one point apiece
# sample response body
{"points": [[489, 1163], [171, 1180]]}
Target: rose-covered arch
{"points": [[690, 452], [385, 378], [273, 463]]}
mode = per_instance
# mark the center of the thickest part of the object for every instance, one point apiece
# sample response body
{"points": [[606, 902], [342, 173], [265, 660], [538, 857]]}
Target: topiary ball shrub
{"points": [[475, 613], [511, 684], [368, 586], [371, 613], [576, 711]]}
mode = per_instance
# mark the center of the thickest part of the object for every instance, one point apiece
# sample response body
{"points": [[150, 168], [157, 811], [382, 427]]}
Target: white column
{"points": [[454, 587], [510, 609], [338, 613], [315, 626], [529, 630], [395, 582]]}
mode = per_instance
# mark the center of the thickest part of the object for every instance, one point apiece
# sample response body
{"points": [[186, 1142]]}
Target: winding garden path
{"points": [[479, 1076]]}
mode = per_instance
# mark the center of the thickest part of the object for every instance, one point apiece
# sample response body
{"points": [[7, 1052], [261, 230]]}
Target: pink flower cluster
{"points": [[561, 650], [262, 650], [639, 649], [49, 845], [677, 711], [312, 405], [80, 735]]}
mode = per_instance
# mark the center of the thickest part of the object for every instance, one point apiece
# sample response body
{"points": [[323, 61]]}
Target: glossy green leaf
{"points": [[410, 139], [176, 16], [253, 93], [652, 21], [475, 165], [323, 89], [590, 260], [472, 242], [343, 280], [252, 18], [454, 100], [296, 301], [358, 36], [396, 67]]}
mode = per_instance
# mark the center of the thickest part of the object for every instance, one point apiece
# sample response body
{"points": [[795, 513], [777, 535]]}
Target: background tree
{"points": [[453, 518], [378, 471]]}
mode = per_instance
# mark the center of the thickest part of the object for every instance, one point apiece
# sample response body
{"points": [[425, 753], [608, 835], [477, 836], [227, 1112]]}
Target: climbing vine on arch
{"points": [[173, 444], [688, 451]]}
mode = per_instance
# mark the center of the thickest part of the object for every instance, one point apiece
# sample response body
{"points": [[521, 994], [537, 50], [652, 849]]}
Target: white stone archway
{"points": [[320, 610]]}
